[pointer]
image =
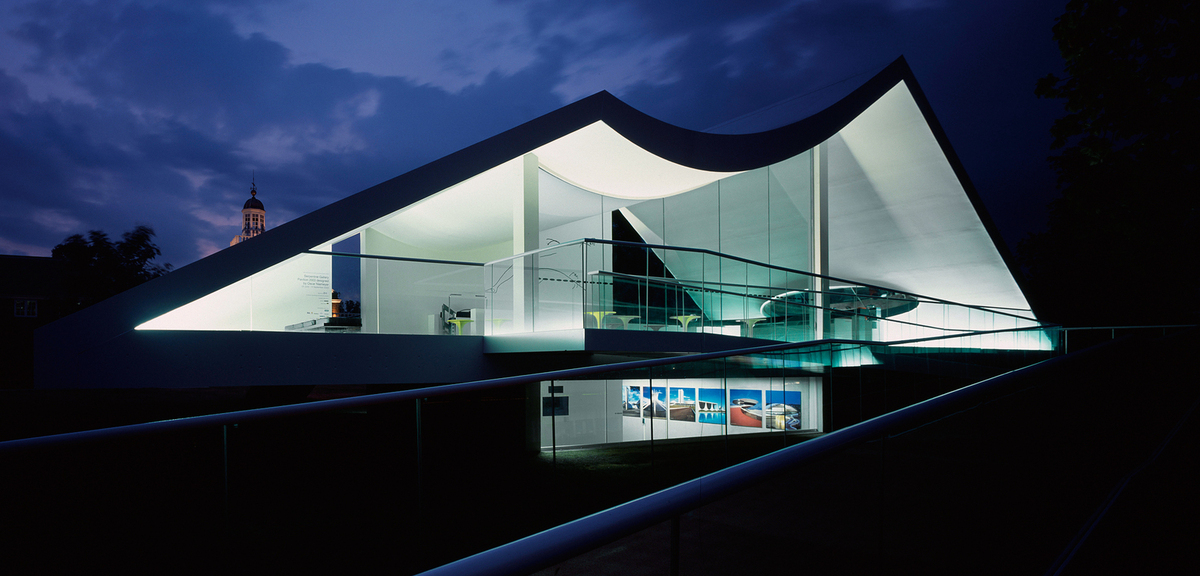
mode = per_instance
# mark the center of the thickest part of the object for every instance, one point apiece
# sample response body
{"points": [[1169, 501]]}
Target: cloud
{"points": [[224, 219], [124, 111], [449, 45], [55, 221], [197, 178], [16, 247], [206, 247], [183, 101], [616, 69], [364, 105]]}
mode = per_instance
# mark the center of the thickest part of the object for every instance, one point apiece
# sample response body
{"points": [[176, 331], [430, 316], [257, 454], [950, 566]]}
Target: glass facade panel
{"points": [[769, 393], [744, 216], [789, 212], [693, 218]]}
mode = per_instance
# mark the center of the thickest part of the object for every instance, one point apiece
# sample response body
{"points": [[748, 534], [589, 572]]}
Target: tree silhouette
{"points": [[1119, 242], [97, 268]]}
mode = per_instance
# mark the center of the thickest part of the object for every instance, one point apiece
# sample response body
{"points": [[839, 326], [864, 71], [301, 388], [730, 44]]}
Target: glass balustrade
{"points": [[589, 284], [599, 284]]}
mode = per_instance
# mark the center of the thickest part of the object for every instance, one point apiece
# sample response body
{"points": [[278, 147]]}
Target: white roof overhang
{"points": [[900, 216]]}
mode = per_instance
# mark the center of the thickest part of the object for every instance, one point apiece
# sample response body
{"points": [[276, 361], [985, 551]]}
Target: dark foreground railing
{"points": [[573, 538], [561, 543]]}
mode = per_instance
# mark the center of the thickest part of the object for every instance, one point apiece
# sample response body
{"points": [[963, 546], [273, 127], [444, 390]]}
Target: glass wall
{"points": [[720, 295], [568, 286], [590, 412], [763, 215]]}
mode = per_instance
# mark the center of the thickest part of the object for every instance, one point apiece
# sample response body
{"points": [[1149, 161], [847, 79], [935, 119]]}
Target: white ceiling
{"points": [[899, 217], [594, 159], [598, 159]]}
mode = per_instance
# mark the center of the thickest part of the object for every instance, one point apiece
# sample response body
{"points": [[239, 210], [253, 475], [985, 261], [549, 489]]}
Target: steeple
{"points": [[254, 216]]}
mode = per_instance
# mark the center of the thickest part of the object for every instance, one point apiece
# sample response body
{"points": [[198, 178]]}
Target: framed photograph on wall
{"points": [[782, 411], [710, 406], [682, 404], [632, 403], [655, 401], [745, 408]]}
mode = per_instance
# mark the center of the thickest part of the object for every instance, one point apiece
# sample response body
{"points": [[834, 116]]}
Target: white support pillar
{"points": [[526, 232], [820, 232]]}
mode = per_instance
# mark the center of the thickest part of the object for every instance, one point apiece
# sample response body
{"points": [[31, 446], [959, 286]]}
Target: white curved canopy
{"points": [[599, 159]]}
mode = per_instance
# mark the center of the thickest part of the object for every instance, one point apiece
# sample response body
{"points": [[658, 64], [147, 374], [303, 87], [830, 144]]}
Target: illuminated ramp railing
{"points": [[973, 480], [613, 285]]}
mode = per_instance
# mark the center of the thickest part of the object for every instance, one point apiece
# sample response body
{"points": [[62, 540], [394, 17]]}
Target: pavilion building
{"points": [[591, 235]]}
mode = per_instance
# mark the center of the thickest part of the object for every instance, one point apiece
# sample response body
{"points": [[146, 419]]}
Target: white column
{"points": [[820, 232], [525, 238]]}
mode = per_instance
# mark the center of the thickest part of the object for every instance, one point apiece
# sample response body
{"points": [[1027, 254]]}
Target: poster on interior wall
{"points": [[632, 406], [783, 410], [683, 404], [316, 290], [711, 406], [745, 408], [655, 402]]}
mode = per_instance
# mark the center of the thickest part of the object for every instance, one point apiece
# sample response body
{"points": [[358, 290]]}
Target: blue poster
{"points": [[683, 404], [711, 406], [632, 405], [782, 411], [655, 402], [745, 408]]}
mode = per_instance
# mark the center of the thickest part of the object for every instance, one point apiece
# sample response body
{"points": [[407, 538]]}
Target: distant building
{"points": [[34, 291], [254, 217]]}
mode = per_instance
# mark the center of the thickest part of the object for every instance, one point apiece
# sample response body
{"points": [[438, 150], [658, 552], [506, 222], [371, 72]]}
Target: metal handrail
{"points": [[357, 402], [755, 263], [568, 540], [396, 258], [683, 284]]}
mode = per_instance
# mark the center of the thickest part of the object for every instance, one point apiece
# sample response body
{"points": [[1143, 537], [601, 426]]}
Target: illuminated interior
{"points": [[895, 215]]}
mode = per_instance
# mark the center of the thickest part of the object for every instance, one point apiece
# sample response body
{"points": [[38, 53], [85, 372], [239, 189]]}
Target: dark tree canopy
{"points": [[1121, 238], [98, 268]]}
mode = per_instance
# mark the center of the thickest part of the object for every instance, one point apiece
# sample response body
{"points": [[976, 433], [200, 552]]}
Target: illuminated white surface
{"points": [[899, 217], [599, 159], [478, 211], [270, 300], [226, 309]]}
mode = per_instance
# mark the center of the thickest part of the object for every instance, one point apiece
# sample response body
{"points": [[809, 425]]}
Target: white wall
{"points": [[293, 291]]}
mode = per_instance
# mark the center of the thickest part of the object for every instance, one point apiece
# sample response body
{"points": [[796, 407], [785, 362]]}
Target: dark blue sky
{"points": [[117, 113]]}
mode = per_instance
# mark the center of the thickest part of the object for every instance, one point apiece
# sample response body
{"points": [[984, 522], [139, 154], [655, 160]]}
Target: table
{"points": [[624, 318], [459, 323], [750, 322], [685, 320], [599, 316]]}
